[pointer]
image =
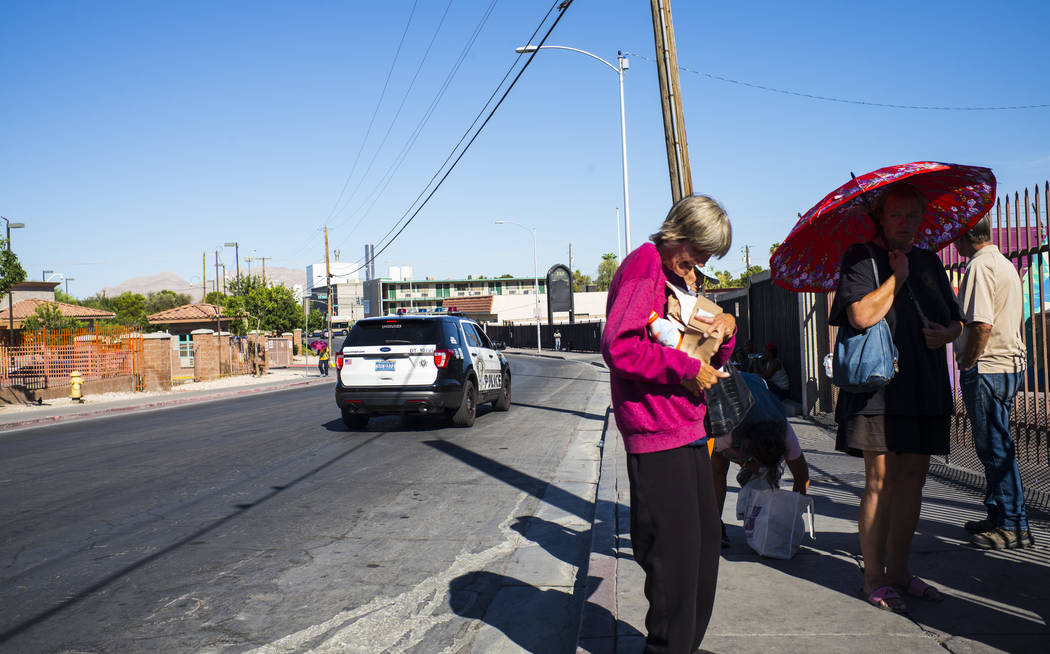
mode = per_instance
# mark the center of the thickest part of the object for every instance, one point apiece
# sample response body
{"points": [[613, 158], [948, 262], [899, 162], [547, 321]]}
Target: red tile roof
{"points": [[27, 308], [200, 312], [471, 304]]}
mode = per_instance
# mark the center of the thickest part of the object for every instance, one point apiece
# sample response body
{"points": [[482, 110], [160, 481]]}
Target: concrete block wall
{"points": [[156, 362]]}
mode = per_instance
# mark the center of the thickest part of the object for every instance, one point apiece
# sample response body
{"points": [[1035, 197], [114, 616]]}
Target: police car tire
{"points": [[354, 420], [468, 407], [502, 403]]}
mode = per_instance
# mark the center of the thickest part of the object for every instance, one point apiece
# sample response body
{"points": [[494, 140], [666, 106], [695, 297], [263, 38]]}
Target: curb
{"points": [[597, 630], [160, 404]]}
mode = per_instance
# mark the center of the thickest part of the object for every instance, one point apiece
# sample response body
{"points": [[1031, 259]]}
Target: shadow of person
{"points": [[533, 619]]}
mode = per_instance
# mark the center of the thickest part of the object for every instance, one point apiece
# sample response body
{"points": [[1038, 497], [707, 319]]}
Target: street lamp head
{"points": [[230, 245], [500, 222], [526, 49], [17, 225]]}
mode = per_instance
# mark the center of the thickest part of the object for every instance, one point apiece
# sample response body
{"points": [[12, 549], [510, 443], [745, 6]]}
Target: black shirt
{"points": [[921, 385]]}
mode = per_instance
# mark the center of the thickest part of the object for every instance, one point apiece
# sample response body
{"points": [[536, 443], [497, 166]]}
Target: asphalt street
{"points": [[262, 523]]}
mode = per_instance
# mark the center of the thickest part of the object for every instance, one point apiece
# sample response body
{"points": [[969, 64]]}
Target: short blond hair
{"points": [[700, 220]]}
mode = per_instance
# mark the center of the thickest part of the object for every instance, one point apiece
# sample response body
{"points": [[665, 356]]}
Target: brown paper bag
{"points": [[700, 339]]}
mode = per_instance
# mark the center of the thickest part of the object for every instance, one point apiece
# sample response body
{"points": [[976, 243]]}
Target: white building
{"points": [[347, 291]]}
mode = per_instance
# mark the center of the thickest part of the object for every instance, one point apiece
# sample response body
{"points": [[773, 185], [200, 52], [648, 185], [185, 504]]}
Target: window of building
{"points": [[186, 350]]}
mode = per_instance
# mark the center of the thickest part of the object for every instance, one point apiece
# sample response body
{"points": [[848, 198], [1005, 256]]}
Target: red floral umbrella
{"points": [[809, 258]]}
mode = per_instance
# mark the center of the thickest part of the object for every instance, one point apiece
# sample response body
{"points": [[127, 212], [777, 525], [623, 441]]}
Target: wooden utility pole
{"points": [[328, 284], [671, 100], [570, 263], [204, 275], [263, 259]]}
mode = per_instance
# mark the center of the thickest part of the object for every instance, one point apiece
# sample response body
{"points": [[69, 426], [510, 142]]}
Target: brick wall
{"points": [[156, 362], [205, 355]]}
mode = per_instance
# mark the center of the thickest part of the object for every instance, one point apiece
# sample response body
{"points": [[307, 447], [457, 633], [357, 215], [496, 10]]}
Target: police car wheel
{"points": [[468, 407], [354, 420], [502, 403]]}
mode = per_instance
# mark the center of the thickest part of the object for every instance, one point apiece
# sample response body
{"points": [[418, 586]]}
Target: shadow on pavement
{"points": [[239, 511], [574, 412], [991, 597], [517, 609]]}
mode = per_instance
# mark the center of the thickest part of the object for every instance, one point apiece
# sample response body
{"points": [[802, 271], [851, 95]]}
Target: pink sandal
{"points": [[918, 588], [885, 598]]}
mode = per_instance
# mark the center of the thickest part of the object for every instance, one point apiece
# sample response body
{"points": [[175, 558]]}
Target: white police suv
{"points": [[419, 364]]}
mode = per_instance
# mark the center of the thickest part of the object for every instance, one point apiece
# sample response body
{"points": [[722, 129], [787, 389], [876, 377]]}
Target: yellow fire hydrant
{"points": [[75, 382]]}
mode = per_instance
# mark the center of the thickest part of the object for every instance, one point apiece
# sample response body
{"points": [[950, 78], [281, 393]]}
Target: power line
{"points": [[388, 177], [477, 117], [884, 105], [375, 112], [410, 142], [562, 6], [397, 114]]}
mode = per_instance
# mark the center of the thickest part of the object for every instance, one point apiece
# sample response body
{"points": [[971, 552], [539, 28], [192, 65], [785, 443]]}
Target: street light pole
{"points": [[622, 64], [535, 274], [10, 302], [236, 256], [43, 277], [69, 279]]}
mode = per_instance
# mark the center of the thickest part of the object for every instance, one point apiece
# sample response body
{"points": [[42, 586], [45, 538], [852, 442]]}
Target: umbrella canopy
{"points": [[808, 259], [317, 346]]}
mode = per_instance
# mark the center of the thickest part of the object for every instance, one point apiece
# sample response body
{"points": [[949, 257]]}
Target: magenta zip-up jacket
{"points": [[654, 411]]}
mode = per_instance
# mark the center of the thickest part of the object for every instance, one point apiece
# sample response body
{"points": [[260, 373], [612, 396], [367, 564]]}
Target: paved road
{"points": [[261, 522]]}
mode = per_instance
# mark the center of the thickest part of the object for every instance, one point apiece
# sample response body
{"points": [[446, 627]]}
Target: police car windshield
{"points": [[395, 332]]}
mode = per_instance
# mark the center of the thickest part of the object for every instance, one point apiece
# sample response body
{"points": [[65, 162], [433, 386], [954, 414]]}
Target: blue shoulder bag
{"points": [[864, 360]]}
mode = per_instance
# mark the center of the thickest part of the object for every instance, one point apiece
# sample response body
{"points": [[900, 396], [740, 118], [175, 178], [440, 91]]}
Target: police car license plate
{"points": [[384, 366]]}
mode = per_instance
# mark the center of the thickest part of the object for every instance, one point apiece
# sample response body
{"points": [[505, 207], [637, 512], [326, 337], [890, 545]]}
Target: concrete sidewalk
{"points": [[96, 406], [995, 601]]}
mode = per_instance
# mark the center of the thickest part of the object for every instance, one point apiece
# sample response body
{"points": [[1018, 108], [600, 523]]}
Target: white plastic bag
{"points": [[776, 520], [747, 493]]}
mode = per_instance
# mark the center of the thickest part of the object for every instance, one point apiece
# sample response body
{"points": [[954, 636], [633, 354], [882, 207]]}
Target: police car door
{"points": [[486, 363]]}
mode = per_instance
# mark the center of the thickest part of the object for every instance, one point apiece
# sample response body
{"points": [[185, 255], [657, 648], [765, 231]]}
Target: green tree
{"points": [[579, 280], [606, 270], [748, 274], [164, 300], [773, 248], [11, 271], [316, 321], [61, 296], [130, 309], [49, 316]]}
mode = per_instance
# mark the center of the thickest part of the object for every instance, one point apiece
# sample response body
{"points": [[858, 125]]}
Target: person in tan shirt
{"points": [[991, 357]]}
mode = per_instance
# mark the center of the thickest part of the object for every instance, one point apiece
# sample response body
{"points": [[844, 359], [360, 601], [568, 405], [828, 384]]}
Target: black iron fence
{"points": [[577, 337]]}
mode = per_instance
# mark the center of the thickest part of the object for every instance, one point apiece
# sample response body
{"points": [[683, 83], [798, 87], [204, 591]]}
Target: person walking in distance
{"points": [[991, 357], [557, 340], [322, 361]]}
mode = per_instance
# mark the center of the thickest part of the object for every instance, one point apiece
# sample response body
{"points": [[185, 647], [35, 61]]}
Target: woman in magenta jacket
{"points": [[657, 397]]}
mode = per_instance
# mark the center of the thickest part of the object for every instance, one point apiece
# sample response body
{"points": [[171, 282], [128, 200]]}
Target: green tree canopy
{"points": [[606, 270], [164, 300], [270, 308], [579, 281], [11, 271]]}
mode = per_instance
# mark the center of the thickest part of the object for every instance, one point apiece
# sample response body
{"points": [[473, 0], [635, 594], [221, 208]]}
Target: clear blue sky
{"points": [[137, 135]]}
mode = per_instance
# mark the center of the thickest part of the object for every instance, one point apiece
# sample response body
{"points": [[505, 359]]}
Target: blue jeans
{"points": [[989, 399]]}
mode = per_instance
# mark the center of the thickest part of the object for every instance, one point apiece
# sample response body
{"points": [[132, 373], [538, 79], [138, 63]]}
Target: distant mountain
{"points": [[172, 282]]}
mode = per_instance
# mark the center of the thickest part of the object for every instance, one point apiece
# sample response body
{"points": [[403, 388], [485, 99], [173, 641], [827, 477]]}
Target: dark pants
{"points": [[322, 365], [989, 399], [675, 532]]}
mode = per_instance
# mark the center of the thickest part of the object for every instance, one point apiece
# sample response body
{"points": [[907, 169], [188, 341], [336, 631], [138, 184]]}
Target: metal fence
{"points": [[44, 358], [1019, 229], [577, 336]]}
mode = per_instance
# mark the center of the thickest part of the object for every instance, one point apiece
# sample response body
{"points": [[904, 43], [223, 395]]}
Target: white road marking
{"points": [[395, 624]]}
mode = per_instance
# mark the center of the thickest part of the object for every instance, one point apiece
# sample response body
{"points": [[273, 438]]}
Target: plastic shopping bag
{"points": [[776, 520]]}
